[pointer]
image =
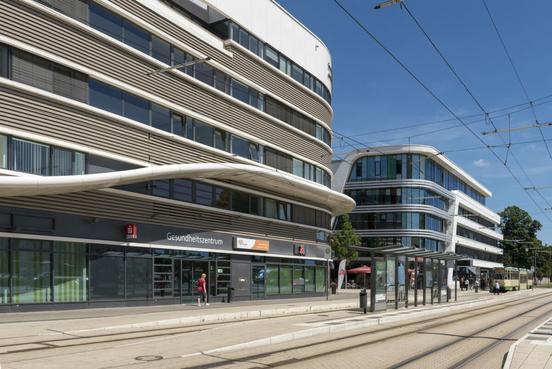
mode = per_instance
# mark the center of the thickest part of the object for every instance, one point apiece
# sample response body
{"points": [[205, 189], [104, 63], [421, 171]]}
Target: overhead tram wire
{"points": [[522, 85], [441, 102], [429, 123], [518, 77], [449, 128], [456, 75]]}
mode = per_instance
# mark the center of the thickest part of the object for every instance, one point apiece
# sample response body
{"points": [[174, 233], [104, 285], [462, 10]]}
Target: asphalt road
{"points": [[477, 338]]}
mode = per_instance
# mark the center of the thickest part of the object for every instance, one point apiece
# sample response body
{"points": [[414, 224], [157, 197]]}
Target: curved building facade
{"points": [[145, 142], [413, 196]]}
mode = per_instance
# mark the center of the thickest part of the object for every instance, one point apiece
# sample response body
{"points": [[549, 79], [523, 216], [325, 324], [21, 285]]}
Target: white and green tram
{"points": [[513, 279]]}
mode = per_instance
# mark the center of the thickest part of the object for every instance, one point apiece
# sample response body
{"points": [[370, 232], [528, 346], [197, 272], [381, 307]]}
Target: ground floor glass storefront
{"points": [[39, 271]]}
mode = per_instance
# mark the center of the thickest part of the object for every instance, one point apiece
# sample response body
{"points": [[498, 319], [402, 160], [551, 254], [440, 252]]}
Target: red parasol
{"points": [[360, 270]]}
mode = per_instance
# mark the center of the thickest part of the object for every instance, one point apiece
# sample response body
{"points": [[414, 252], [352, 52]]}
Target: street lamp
{"points": [[181, 65], [387, 3]]}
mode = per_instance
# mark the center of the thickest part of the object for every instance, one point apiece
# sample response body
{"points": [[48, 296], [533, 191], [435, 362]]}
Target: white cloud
{"points": [[482, 163]]}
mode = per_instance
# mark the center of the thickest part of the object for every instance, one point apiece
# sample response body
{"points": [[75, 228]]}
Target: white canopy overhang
{"points": [[259, 177]]}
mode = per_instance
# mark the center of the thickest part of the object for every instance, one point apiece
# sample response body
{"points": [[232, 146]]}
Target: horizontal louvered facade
{"points": [[77, 100]]}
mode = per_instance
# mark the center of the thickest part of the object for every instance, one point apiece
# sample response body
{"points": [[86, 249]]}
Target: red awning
{"points": [[360, 270]]}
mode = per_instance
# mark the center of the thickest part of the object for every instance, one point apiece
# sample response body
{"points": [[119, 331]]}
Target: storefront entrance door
{"points": [[189, 273], [258, 281]]}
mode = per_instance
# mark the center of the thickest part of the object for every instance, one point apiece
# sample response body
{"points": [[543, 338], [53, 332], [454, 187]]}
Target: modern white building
{"points": [[413, 196], [145, 142]]}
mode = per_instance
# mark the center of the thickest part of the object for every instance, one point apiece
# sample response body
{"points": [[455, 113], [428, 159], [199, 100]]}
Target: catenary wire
{"points": [[518, 77], [439, 100]]}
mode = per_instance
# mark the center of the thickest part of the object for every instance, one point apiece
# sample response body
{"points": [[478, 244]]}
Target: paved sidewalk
{"points": [[532, 351]]}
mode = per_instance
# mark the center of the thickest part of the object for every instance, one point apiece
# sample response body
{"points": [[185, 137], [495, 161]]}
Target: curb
{"points": [[223, 317], [327, 330]]}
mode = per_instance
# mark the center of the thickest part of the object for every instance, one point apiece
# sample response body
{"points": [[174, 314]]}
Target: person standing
{"points": [[202, 290], [497, 288]]}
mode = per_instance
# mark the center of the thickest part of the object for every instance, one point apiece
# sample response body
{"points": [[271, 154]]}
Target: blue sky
{"points": [[372, 93]]}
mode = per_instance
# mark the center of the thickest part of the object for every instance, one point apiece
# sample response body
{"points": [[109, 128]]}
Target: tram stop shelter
{"points": [[403, 276]]}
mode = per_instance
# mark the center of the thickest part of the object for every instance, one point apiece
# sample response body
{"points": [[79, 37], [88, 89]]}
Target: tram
{"points": [[513, 279]]}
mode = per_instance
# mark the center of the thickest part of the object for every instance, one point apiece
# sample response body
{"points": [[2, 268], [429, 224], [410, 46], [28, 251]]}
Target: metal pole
{"points": [[396, 282], [406, 281], [424, 278], [327, 279], [415, 281], [455, 280], [372, 283]]}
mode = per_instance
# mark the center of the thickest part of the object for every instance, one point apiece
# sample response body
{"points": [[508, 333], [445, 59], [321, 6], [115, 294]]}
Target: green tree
{"points": [[344, 237], [520, 236]]}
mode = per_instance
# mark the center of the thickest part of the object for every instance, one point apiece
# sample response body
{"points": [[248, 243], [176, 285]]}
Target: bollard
{"points": [[364, 300], [229, 292]]}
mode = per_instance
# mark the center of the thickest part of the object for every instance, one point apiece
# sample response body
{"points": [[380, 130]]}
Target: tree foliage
{"points": [[520, 237], [344, 237]]}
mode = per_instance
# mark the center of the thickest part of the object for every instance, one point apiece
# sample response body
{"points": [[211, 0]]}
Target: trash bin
{"points": [[476, 288], [364, 300], [230, 293], [334, 288]]}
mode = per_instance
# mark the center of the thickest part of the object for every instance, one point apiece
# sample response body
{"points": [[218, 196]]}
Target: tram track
{"points": [[80, 341], [426, 324]]}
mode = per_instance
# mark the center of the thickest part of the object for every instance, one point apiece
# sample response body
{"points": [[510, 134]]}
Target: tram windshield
{"points": [[499, 274]]}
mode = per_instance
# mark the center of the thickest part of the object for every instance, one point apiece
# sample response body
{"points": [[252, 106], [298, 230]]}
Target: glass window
{"points": [[272, 280], [160, 50], [62, 162], [234, 29], [4, 59], [203, 133], [105, 21], [30, 157], [271, 56], [31, 278], [270, 208], [138, 277], [254, 152], [320, 279], [4, 272], [160, 117], [105, 97], [286, 279], [70, 272], [220, 139], [161, 188], [204, 194], [309, 280], [32, 70], [222, 81], [256, 205], [3, 152], [80, 163], [222, 198], [254, 45], [240, 201], [240, 91], [285, 65], [244, 38], [107, 275], [297, 73], [205, 73], [183, 190], [69, 83], [284, 211], [298, 280], [240, 147], [136, 37], [136, 108], [178, 125]]}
